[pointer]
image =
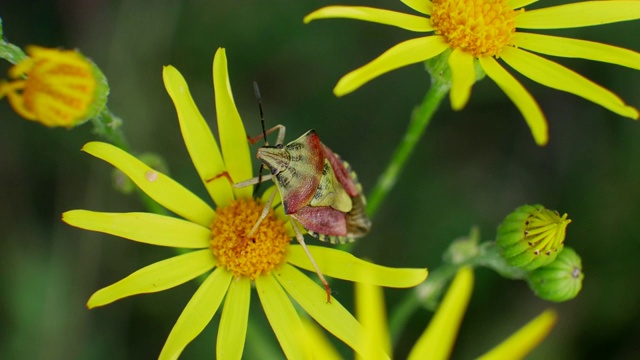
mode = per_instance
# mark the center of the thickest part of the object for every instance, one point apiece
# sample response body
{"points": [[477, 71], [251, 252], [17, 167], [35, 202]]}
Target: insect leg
{"points": [[313, 262], [281, 131], [264, 214], [241, 184]]}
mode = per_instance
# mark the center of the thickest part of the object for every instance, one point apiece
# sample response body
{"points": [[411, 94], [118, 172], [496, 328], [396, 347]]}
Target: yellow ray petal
{"points": [[516, 4], [406, 53], [574, 48], [520, 97], [156, 277], [201, 144], [522, 342], [372, 314], [463, 77], [142, 227], [233, 138], [380, 16], [332, 316], [342, 265], [233, 323], [197, 314], [158, 186], [437, 340], [420, 6], [283, 318], [318, 342], [558, 77], [579, 14]]}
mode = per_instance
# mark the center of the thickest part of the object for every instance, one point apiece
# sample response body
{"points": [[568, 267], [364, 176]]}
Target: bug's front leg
{"points": [[241, 184], [279, 140]]}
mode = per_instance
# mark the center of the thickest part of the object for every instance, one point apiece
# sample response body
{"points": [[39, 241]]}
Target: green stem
{"points": [[428, 294], [109, 127], [424, 295], [420, 118]]}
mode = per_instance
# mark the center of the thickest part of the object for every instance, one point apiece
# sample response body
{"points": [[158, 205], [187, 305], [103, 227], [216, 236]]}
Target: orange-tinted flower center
{"points": [[479, 27], [243, 255]]}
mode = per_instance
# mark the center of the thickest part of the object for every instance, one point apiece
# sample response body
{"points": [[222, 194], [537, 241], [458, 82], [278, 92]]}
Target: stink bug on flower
{"points": [[318, 189]]}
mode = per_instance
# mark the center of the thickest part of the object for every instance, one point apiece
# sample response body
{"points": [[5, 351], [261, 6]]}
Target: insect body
{"points": [[318, 188]]}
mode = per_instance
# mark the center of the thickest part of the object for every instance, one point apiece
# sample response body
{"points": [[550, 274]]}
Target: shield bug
{"points": [[319, 190]]}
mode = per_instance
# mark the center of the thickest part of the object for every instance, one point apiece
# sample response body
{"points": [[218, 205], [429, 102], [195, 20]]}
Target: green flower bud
{"points": [[559, 281], [532, 236]]}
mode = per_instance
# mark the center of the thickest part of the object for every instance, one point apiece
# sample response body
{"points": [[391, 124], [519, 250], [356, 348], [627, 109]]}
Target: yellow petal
{"points": [[574, 48], [419, 6], [462, 77], [380, 16], [342, 265], [520, 97], [318, 342], [142, 227], [197, 314], [330, 315], [558, 77], [156, 277], [522, 342], [233, 138], [283, 318], [158, 186], [201, 144], [372, 314], [437, 340], [233, 323], [516, 4], [405, 53], [584, 13]]}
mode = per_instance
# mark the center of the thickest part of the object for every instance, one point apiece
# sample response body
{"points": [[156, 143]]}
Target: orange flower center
{"points": [[244, 255], [478, 27]]}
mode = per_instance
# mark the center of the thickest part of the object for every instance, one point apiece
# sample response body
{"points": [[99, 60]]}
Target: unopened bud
{"points": [[559, 281], [532, 236]]}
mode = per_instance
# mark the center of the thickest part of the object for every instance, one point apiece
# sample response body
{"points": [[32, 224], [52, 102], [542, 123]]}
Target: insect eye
{"points": [[280, 146], [274, 171]]}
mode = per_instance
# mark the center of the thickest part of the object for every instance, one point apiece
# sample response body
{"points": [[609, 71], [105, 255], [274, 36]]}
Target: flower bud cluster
{"points": [[531, 238]]}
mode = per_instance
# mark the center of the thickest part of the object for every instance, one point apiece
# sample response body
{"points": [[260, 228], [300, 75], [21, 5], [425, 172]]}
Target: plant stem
{"points": [[420, 118]]}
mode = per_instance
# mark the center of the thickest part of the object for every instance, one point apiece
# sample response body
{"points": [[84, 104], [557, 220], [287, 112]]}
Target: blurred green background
{"points": [[472, 168]]}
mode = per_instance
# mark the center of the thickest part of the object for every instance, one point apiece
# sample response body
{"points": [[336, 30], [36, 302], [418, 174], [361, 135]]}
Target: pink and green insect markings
{"points": [[318, 188]]}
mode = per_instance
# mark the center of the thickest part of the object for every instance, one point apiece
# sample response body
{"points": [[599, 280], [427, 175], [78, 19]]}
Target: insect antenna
{"points": [[256, 91]]}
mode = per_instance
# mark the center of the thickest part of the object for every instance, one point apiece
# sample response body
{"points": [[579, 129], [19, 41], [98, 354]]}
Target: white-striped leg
{"points": [[313, 262]]}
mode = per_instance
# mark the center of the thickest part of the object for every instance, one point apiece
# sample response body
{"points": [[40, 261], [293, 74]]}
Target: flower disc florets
{"points": [[243, 255], [478, 27]]}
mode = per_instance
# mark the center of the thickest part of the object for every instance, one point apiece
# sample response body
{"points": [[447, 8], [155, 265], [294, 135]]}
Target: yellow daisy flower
{"points": [[217, 238], [485, 31], [55, 87], [437, 341]]}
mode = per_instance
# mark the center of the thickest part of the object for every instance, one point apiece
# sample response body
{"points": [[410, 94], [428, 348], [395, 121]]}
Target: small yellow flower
{"points": [[54, 87], [219, 243], [438, 339], [485, 31]]}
